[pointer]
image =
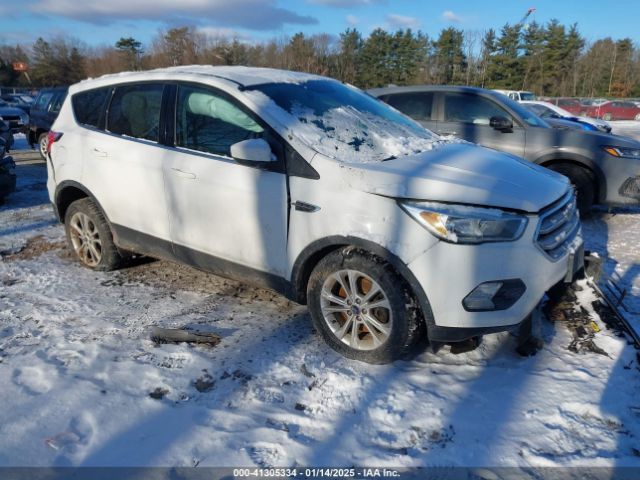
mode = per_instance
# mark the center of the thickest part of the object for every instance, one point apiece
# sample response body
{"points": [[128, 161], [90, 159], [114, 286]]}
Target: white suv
{"points": [[310, 187]]}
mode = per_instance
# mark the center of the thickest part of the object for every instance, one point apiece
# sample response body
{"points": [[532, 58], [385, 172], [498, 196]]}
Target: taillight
{"points": [[52, 137]]}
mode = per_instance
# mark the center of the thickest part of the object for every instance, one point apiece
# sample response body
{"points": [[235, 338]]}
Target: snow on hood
{"points": [[347, 134], [461, 173]]}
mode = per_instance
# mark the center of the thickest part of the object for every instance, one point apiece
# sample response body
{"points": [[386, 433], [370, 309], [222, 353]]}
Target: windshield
{"points": [[527, 96], [343, 122]]}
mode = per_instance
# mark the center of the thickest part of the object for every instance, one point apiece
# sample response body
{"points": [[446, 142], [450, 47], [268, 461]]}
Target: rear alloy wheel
{"points": [[90, 238], [607, 117], [43, 141], [637, 117], [362, 308]]}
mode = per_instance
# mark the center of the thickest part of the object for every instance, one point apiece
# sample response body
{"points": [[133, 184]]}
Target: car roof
{"points": [[239, 75], [376, 92]]}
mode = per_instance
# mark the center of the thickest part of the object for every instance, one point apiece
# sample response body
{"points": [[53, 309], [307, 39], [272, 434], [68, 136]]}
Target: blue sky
{"points": [[100, 22]]}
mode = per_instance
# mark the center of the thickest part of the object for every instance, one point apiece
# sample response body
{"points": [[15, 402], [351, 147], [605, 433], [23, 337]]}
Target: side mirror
{"points": [[254, 150], [501, 123]]}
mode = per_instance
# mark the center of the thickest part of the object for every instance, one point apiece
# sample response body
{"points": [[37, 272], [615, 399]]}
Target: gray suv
{"points": [[603, 168]]}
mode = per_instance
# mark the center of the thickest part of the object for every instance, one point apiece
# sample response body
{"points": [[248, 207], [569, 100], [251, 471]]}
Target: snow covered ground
{"points": [[82, 384]]}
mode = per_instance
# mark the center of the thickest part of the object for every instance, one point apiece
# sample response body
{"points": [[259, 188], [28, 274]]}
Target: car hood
{"points": [[461, 173], [10, 111]]}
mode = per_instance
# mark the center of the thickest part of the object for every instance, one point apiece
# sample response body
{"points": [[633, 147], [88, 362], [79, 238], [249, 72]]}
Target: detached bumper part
{"points": [[493, 296], [631, 188]]}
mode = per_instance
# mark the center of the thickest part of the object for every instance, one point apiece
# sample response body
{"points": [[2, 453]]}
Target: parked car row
{"points": [[603, 168], [44, 111]]}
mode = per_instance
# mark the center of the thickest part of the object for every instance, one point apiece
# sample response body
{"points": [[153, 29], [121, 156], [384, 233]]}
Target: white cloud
{"points": [[402, 21], [224, 33], [352, 20], [450, 16], [251, 14]]}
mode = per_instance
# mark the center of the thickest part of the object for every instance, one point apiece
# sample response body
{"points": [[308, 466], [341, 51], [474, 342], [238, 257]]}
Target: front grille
{"points": [[559, 224]]}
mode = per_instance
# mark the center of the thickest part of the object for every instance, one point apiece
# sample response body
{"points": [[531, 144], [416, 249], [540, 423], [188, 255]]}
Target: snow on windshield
{"points": [[342, 122]]}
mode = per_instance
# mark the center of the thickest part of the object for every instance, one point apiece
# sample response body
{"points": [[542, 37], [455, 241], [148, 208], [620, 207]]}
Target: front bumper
{"points": [[449, 272], [622, 179]]}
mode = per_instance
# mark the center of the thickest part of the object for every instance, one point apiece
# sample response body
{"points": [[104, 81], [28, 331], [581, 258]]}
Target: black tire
{"points": [[583, 181], [42, 145], [406, 323], [109, 257]]}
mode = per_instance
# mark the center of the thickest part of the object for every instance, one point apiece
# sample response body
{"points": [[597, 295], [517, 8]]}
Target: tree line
{"points": [[551, 59]]}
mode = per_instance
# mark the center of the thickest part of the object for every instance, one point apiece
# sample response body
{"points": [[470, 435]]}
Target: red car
{"points": [[572, 105], [615, 110]]}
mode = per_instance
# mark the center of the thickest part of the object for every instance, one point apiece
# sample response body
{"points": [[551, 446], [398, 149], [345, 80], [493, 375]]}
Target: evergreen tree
{"points": [[449, 58], [131, 51]]}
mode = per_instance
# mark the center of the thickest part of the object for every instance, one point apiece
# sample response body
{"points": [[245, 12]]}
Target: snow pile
{"points": [[83, 384], [347, 134]]}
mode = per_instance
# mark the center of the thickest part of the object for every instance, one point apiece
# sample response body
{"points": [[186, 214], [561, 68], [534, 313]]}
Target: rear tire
{"points": [[362, 308], [42, 145], [89, 236], [583, 181]]}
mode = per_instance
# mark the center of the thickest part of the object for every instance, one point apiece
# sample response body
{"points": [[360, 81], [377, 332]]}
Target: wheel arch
{"points": [[313, 253], [68, 192], [578, 161]]}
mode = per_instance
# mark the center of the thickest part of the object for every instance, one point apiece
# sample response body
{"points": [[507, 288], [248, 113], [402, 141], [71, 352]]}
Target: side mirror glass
{"points": [[254, 150], [501, 123]]}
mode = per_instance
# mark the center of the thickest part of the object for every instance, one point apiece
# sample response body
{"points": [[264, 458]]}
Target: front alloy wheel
{"points": [[85, 239], [363, 308], [356, 309]]}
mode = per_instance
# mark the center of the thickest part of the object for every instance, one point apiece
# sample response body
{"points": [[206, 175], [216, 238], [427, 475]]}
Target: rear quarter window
{"points": [[89, 106], [43, 100], [416, 105]]}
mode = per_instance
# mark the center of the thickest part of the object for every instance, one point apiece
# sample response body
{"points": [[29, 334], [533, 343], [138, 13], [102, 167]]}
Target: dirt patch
{"points": [[34, 247], [172, 277]]}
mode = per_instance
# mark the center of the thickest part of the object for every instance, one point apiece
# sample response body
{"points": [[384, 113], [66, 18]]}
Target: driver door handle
{"points": [[100, 153], [448, 133], [183, 174]]}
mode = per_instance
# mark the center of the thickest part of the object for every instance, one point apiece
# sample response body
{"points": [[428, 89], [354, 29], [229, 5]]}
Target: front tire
{"points": [[89, 236], [362, 308], [584, 183]]}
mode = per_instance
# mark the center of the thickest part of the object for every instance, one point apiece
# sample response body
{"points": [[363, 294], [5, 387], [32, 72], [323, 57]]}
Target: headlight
{"points": [[623, 152], [467, 225]]}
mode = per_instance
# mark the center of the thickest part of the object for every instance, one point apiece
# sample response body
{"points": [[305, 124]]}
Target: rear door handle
{"points": [[100, 153], [183, 174]]}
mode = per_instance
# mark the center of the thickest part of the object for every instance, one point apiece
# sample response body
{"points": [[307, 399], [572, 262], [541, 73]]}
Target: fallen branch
{"points": [[176, 335]]}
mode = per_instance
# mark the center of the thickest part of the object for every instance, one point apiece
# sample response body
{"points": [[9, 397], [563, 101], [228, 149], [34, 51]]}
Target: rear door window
{"points": [[135, 111], [208, 121], [89, 107], [417, 105], [468, 108], [57, 101]]}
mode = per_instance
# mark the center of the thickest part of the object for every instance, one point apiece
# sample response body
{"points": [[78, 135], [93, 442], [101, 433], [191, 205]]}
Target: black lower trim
{"points": [[129, 239], [454, 334]]}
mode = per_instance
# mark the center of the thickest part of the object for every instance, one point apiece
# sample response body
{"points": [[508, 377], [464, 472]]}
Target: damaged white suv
{"points": [[310, 187]]}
